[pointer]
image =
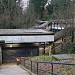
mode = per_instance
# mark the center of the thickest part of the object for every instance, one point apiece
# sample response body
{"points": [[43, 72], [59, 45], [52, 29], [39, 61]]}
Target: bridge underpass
{"points": [[12, 51], [27, 40]]}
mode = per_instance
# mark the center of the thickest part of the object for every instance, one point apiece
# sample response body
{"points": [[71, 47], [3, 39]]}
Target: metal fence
{"points": [[49, 68]]}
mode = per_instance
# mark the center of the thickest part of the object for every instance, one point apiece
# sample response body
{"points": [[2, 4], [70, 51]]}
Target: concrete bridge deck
{"points": [[12, 69]]}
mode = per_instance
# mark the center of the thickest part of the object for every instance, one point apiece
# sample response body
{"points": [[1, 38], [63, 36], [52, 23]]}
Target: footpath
{"points": [[12, 69]]}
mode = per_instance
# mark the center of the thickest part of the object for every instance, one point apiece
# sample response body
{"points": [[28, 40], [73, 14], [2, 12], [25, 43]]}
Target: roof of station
{"points": [[24, 31]]}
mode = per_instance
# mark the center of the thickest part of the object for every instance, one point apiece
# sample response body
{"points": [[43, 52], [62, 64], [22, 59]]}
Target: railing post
{"points": [[20, 61], [51, 69], [37, 68], [24, 62], [31, 66]]}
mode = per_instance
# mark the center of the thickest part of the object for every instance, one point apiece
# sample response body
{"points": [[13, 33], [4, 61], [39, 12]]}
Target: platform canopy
{"points": [[26, 35]]}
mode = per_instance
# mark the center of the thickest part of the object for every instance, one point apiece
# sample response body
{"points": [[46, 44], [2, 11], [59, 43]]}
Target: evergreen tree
{"points": [[63, 9], [10, 14], [38, 6]]}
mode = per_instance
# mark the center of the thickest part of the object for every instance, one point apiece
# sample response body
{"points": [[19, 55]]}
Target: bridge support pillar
{"points": [[44, 49], [50, 50], [0, 55]]}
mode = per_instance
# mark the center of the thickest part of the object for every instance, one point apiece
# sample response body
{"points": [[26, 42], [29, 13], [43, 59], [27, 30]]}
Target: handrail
{"points": [[52, 64], [63, 63]]}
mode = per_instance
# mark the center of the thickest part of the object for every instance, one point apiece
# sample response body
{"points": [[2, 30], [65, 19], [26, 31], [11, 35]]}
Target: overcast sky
{"points": [[25, 2]]}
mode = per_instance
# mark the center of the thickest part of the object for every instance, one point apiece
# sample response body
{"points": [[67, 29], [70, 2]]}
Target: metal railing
{"points": [[35, 67]]}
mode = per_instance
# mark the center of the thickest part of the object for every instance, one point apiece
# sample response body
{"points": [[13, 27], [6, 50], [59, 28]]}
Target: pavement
{"points": [[63, 56], [12, 69]]}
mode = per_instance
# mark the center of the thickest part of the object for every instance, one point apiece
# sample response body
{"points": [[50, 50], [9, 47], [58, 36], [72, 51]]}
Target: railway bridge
{"points": [[21, 42]]}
